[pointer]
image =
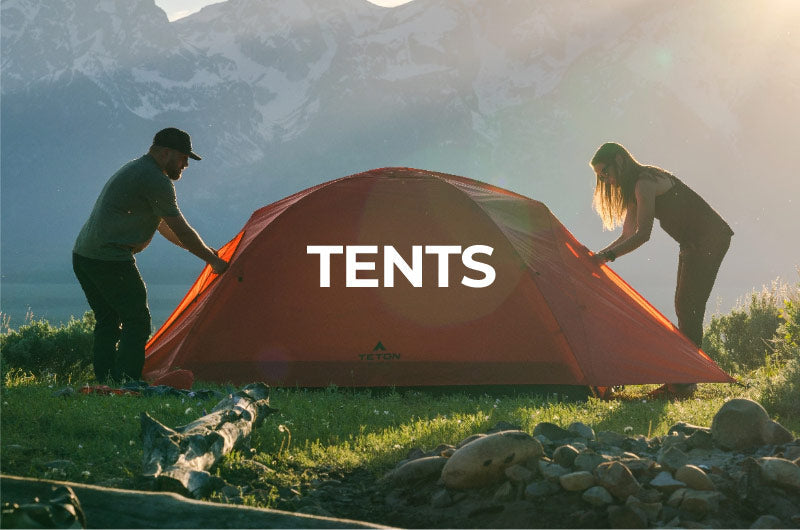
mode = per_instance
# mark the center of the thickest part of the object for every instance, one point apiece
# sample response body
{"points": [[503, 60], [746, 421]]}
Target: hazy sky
{"points": [[176, 9]]}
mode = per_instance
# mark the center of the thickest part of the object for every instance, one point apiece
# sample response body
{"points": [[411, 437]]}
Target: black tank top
{"points": [[687, 218]]}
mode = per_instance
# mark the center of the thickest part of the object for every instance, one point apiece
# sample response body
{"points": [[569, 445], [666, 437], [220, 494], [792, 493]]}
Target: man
{"points": [[136, 201]]}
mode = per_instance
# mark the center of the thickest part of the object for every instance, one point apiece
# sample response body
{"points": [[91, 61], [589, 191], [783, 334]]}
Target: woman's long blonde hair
{"points": [[611, 201]]}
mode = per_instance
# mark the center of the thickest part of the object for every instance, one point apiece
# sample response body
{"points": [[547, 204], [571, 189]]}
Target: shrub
{"points": [[39, 347], [744, 338]]}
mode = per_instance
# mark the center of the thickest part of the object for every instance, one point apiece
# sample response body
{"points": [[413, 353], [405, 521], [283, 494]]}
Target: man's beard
{"points": [[174, 174]]}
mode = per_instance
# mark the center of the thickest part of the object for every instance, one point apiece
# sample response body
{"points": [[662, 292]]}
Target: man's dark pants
{"points": [[117, 295]]}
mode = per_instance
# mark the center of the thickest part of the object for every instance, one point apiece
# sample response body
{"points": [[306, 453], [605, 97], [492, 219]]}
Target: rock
{"points": [[551, 431], [700, 503], [540, 488], [415, 471], [640, 467], [578, 481], [551, 471], [781, 472], [588, 460], [484, 461], [666, 483], [617, 479], [651, 509], [792, 452], [773, 433], [744, 424], [611, 438], [767, 521], [442, 450], [597, 496], [581, 430], [507, 492], [672, 458], [676, 498], [565, 455], [700, 440], [695, 478], [687, 428], [469, 439], [519, 474], [626, 517], [441, 499]]}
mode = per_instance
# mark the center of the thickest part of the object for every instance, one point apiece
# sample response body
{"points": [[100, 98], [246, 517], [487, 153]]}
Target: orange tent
{"points": [[404, 277]]}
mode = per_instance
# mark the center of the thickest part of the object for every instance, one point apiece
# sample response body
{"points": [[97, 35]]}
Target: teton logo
{"points": [[379, 353]]}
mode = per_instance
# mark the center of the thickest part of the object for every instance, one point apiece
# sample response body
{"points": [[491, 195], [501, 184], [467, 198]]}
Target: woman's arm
{"points": [[638, 223]]}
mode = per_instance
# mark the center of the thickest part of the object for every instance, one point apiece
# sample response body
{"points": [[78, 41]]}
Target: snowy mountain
{"points": [[283, 94]]}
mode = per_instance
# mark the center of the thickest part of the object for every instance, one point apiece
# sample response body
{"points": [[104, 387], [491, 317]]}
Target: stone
{"points": [[781, 472], [540, 488], [597, 496], [672, 458], [742, 424], [578, 481], [792, 452], [676, 498], [507, 492], [415, 471], [652, 510], [442, 450], [611, 438], [773, 433], [687, 428], [767, 521], [694, 478], [666, 483], [626, 517], [441, 499], [565, 455], [700, 503], [700, 440], [551, 431], [519, 474], [581, 430], [551, 471], [484, 461], [588, 460], [640, 467], [469, 439], [617, 479]]}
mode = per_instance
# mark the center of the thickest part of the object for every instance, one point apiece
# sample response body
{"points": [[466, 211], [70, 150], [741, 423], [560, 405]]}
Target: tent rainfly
{"points": [[405, 277]]}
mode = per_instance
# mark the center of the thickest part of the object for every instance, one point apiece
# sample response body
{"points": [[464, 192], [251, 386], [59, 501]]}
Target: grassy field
{"points": [[96, 438], [314, 430]]}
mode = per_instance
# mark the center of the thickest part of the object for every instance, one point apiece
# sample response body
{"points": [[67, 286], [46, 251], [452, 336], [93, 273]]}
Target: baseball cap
{"points": [[175, 139]]}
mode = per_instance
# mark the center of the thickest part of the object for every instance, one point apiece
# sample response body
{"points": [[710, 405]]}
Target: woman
{"points": [[630, 194]]}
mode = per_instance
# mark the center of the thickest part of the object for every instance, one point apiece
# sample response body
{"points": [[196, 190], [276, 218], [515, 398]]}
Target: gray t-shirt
{"points": [[127, 212]]}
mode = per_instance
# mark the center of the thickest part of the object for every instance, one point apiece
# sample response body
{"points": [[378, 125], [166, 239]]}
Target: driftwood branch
{"points": [[179, 459], [117, 508]]}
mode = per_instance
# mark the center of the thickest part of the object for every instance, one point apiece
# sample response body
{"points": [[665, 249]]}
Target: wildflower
{"points": [[628, 429], [80, 446], [86, 474], [188, 410], [131, 443], [385, 412]]}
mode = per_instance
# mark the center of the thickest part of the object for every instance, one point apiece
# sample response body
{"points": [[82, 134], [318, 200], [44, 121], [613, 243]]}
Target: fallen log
{"points": [[117, 508], [179, 459]]}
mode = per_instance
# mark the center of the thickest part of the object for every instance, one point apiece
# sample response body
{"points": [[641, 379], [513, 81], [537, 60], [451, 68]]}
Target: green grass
{"points": [[315, 431]]}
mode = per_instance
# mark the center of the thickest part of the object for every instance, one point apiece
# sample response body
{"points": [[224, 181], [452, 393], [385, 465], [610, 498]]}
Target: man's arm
{"points": [[176, 230]]}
